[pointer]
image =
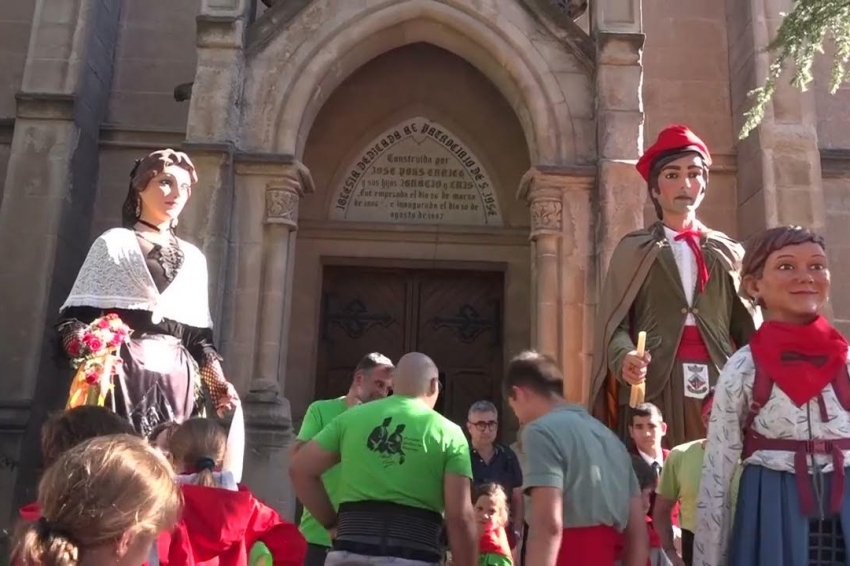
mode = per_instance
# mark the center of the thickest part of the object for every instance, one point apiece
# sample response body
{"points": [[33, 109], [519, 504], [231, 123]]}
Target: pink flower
{"points": [[103, 323], [116, 341], [95, 344]]}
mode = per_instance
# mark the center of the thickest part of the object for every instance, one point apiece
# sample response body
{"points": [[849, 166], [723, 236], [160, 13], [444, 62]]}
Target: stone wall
{"points": [[834, 141], [156, 52], [686, 81], [15, 24]]}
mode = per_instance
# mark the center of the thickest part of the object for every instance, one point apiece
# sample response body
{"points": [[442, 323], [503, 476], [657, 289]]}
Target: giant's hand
{"points": [[634, 367], [227, 402]]}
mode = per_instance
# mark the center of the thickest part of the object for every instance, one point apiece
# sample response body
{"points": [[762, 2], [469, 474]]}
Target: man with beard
{"points": [[372, 380], [678, 280]]}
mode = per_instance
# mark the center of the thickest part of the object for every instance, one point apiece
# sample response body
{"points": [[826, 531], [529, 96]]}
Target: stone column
{"points": [[47, 205], [269, 189], [779, 171], [619, 39], [206, 220], [559, 200]]}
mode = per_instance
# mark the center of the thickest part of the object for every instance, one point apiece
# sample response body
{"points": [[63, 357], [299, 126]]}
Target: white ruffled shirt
{"points": [[686, 262]]}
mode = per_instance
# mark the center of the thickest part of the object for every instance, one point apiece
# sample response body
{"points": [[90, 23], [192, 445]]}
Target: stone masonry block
{"points": [[618, 87], [620, 134]]}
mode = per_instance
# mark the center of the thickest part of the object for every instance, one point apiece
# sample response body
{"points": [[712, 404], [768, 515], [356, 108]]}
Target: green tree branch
{"points": [[800, 37]]}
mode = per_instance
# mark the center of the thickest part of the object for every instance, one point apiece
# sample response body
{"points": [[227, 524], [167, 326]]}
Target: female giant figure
{"points": [[157, 284], [782, 407]]}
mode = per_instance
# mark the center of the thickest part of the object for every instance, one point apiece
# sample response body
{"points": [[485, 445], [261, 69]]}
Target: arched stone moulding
{"points": [[285, 90]]}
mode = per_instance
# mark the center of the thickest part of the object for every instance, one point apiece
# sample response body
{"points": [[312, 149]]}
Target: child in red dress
{"points": [[491, 513], [221, 520]]}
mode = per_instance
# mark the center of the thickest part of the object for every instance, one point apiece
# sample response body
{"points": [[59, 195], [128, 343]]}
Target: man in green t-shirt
{"points": [[372, 380], [679, 483], [401, 467]]}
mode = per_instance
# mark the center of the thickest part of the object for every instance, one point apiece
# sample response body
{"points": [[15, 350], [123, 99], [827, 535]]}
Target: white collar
{"points": [[650, 460]]}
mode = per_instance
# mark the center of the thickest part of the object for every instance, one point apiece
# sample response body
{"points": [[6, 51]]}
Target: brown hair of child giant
{"points": [[759, 248], [95, 493], [196, 440], [68, 428]]}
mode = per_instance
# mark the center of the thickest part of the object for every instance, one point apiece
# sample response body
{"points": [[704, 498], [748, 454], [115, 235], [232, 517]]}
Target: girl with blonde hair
{"points": [[104, 501], [221, 520]]}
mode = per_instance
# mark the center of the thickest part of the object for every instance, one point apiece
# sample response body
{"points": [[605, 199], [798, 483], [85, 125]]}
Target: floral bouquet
{"points": [[94, 353]]}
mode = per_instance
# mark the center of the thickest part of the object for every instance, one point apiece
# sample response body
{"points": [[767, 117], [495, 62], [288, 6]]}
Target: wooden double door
{"points": [[453, 316]]}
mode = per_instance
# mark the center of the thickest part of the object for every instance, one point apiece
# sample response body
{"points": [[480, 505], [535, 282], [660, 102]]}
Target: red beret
{"points": [[672, 139]]}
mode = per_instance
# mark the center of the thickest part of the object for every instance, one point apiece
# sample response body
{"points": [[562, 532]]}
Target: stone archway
{"points": [[256, 95], [293, 93]]}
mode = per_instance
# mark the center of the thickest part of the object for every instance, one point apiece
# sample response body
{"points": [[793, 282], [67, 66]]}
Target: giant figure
{"points": [[782, 408], [157, 284], [678, 281]]}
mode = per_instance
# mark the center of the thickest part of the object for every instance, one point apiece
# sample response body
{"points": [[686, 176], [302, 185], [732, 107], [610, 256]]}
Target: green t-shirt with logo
{"points": [[396, 450], [318, 415]]}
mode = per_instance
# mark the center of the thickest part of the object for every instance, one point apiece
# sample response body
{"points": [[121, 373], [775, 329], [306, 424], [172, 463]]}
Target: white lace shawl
{"points": [[115, 276]]}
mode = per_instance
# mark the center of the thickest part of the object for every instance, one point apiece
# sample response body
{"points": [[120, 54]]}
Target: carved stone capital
{"points": [[546, 217], [284, 191], [544, 188]]}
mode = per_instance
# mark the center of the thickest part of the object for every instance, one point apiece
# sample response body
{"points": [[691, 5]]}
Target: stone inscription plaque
{"points": [[417, 173]]}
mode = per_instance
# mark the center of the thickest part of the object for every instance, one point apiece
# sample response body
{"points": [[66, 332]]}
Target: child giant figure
{"points": [[678, 281], [782, 407]]}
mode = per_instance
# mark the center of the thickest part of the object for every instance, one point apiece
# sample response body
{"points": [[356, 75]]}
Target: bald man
{"points": [[402, 466]]}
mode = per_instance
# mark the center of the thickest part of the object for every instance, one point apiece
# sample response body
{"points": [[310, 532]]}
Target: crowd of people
{"points": [[718, 353]]}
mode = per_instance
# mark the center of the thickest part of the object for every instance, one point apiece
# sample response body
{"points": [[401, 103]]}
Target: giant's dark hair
{"points": [[142, 173]]}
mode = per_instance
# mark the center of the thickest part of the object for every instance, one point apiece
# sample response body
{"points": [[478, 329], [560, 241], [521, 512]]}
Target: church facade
{"points": [[445, 176]]}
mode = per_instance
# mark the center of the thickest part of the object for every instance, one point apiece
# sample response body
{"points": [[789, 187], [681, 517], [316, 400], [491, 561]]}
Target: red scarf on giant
{"points": [[800, 359]]}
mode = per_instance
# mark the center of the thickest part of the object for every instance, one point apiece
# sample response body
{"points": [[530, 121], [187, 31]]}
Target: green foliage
{"points": [[800, 37]]}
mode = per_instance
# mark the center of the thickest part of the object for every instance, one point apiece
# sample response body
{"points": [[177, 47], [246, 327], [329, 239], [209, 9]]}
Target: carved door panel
{"points": [[363, 311], [455, 317], [459, 325]]}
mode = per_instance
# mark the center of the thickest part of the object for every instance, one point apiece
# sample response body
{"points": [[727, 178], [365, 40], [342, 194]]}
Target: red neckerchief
{"points": [[801, 359], [692, 238]]}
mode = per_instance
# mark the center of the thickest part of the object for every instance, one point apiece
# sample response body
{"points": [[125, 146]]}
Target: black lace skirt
{"points": [[158, 382]]}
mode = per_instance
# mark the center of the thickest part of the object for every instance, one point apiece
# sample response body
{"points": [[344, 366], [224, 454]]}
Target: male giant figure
{"points": [[678, 281]]}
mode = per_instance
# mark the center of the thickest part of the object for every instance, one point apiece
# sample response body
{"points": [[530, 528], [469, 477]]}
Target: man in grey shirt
{"points": [[583, 493]]}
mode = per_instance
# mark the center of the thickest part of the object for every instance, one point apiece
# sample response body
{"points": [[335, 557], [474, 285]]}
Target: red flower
{"points": [[92, 377], [95, 344], [74, 347]]}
